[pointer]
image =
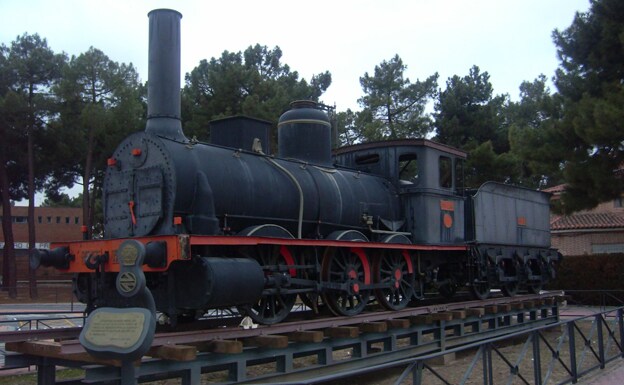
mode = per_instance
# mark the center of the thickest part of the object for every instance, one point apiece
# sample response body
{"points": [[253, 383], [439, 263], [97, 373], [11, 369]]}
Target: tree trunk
{"points": [[86, 201], [9, 280], [32, 277], [92, 197], [32, 240]]}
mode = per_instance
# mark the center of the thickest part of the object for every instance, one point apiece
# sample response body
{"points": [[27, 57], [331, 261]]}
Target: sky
{"points": [[510, 39]]}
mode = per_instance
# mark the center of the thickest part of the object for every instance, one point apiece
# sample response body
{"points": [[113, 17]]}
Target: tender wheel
{"points": [[535, 267], [392, 270], [274, 305], [348, 270], [510, 289], [480, 289]]}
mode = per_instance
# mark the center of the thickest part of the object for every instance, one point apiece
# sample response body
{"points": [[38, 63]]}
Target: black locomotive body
{"points": [[224, 225]]}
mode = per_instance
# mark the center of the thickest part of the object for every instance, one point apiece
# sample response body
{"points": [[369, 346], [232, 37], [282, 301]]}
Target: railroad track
{"points": [[185, 345], [228, 328]]}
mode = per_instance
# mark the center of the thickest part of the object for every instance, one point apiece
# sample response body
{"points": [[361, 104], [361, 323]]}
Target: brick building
{"points": [[52, 224], [597, 231]]}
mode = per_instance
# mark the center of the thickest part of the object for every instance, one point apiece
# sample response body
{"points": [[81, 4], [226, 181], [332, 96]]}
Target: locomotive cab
{"points": [[429, 178]]}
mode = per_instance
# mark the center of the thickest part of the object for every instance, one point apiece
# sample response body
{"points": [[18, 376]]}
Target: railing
{"points": [[602, 298], [584, 345]]}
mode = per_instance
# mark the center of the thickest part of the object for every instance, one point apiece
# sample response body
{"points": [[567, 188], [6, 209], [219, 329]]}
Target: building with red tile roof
{"points": [[597, 231]]}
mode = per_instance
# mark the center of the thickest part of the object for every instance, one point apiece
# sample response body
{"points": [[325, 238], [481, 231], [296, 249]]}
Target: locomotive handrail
{"points": [[207, 240], [389, 232]]}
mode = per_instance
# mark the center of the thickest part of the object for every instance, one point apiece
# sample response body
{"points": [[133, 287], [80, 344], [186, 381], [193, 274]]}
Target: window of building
{"points": [[20, 219], [76, 220], [39, 219], [446, 172], [66, 220], [607, 248], [49, 219], [408, 169], [58, 220]]}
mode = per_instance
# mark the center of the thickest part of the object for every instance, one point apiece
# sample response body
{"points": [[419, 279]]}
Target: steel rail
{"points": [[182, 337], [39, 334]]}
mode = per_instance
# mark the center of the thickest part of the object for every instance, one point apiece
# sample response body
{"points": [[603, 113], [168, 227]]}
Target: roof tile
{"points": [[587, 221]]}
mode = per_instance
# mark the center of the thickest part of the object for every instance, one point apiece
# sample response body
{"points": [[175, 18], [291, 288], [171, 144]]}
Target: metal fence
{"points": [[602, 298], [557, 354]]}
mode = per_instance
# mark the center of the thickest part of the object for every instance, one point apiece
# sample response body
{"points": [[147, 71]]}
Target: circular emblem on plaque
{"points": [[127, 282], [131, 279]]}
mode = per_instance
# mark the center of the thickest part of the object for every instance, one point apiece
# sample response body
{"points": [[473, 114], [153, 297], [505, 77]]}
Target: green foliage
{"points": [[346, 123], [467, 114], [61, 200], [253, 83], [532, 144], [30, 69], [590, 80], [484, 164], [101, 103], [393, 106], [470, 118]]}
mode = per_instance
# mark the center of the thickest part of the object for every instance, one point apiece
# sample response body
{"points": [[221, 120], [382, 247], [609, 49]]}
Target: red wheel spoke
{"points": [[391, 270]]}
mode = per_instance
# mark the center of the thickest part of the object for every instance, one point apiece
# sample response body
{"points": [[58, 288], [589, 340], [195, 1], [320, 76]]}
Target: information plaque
{"points": [[118, 333]]}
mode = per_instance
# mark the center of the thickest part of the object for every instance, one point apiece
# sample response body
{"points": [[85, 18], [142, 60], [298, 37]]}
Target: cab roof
{"points": [[401, 143]]}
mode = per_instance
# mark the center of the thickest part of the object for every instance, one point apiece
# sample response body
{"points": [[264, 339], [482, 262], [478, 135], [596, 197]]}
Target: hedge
{"points": [[598, 274]]}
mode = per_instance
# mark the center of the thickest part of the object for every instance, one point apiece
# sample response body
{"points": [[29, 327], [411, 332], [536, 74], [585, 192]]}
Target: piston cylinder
{"points": [[217, 282]]}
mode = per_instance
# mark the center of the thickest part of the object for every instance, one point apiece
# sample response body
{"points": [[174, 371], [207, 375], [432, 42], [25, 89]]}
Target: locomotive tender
{"points": [[223, 224]]}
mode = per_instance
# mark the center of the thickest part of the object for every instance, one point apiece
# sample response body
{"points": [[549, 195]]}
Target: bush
{"points": [[592, 279]]}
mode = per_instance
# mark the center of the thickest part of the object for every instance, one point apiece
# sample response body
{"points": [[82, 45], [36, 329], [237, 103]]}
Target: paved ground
{"points": [[612, 374], [571, 312]]}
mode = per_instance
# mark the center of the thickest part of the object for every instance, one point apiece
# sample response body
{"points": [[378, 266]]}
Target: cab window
{"points": [[408, 169], [459, 175], [446, 172], [367, 162]]}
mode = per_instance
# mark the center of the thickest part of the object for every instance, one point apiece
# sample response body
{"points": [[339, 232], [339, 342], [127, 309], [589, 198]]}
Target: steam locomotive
{"points": [[223, 224]]}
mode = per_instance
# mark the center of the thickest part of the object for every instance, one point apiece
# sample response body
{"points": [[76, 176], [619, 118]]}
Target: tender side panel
{"points": [[511, 215]]}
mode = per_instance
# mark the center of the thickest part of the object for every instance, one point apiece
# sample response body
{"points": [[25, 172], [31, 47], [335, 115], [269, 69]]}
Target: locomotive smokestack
{"points": [[163, 83]]}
